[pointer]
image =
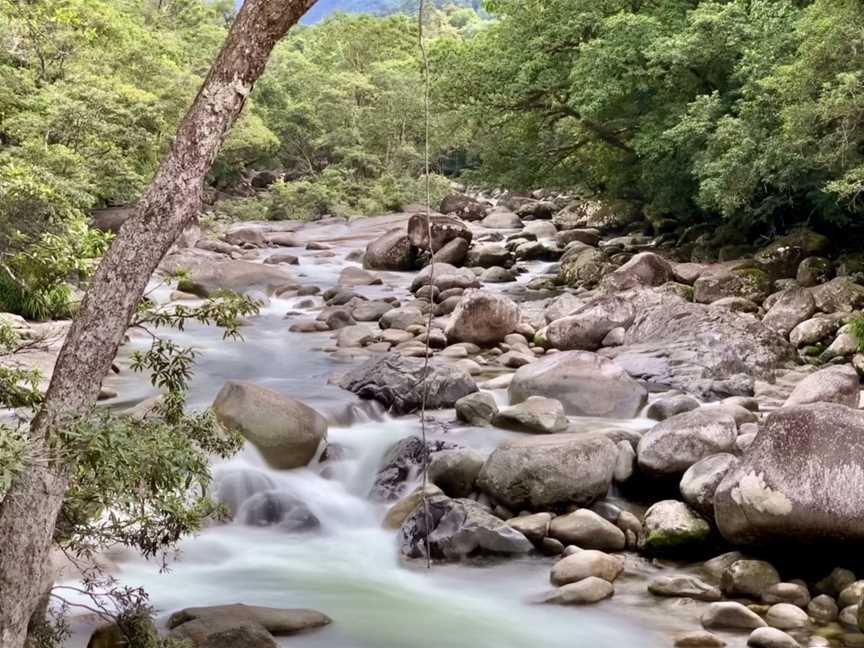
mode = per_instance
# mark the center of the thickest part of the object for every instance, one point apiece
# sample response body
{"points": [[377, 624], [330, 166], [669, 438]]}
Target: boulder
{"points": [[205, 276], [586, 529], [444, 230], [794, 593], [390, 251], [588, 236], [586, 327], [731, 615], [286, 432], [401, 318], [791, 308], [672, 528], [454, 253], [402, 464], [786, 616], [455, 471], [584, 267], [602, 215], [584, 592], [813, 271], [501, 218], [747, 283], [586, 384], [490, 255], [699, 639], [399, 512], [562, 306], [586, 564], [483, 318], [672, 446], [536, 414], [444, 277], [478, 408], [782, 256], [550, 471], [823, 609], [643, 270], [812, 331], [393, 380], [839, 384], [669, 406], [840, 295], [279, 509], [458, 528], [797, 481], [371, 311], [351, 276], [702, 479], [749, 578], [464, 207], [684, 586], [218, 625], [534, 527], [709, 352], [771, 638]]}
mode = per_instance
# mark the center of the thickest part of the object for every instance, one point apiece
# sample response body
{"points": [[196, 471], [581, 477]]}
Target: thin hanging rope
{"points": [[425, 393]]}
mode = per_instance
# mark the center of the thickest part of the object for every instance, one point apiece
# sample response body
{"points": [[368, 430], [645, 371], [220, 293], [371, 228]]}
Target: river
{"points": [[350, 569]]}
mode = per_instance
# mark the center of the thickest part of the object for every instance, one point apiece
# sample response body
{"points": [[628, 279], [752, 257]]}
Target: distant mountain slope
{"points": [[324, 8]]}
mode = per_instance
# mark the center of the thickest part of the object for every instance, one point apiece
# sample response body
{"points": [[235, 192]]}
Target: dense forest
{"points": [[745, 111]]}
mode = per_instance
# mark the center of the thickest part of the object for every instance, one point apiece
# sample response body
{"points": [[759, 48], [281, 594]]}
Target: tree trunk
{"points": [[29, 511]]}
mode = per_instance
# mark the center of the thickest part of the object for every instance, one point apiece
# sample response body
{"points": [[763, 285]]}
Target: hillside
{"points": [[378, 7]]}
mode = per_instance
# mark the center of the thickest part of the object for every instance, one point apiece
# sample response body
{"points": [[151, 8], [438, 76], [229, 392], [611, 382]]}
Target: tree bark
{"points": [[29, 511]]}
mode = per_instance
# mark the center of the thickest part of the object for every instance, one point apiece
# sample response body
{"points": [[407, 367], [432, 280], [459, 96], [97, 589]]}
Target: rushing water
{"points": [[350, 568]]}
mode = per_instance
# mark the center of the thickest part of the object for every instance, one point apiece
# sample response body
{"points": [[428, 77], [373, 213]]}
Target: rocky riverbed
{"points": [[627, 447]]}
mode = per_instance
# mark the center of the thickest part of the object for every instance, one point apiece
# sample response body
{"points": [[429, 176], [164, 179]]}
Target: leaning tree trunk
{"points": [[29, 511]]}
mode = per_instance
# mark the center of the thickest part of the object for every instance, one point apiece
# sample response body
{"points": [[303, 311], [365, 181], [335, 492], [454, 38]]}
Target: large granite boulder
{"points": [[781, 257], [673, 528], [551, 471], [747, 283], [444, 230], [701, 480], [603, 215], [585, 383], [799, 481], [398, 382], [642, 271], [390, 251], [458, 528], [226, 626], [709, 352], [792, 307], [205, 274], [836, 384], [669, 448], [482, 317], [585, 328], [286, 432], [402, 464], [464, 207], [583, 266]]}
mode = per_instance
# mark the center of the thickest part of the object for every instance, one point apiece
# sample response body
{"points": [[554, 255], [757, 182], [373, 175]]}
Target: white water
{"points": [[350, 568]]}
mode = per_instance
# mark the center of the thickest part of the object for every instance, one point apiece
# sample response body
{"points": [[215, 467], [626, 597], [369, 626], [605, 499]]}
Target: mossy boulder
{"points": [[584, 267], [673, 528], [748, 283], [782, 256], [813, 271]]}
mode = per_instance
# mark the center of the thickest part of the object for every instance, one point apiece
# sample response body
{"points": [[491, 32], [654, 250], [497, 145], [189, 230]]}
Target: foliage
{"points": [[751, 109], [140, 479]]}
